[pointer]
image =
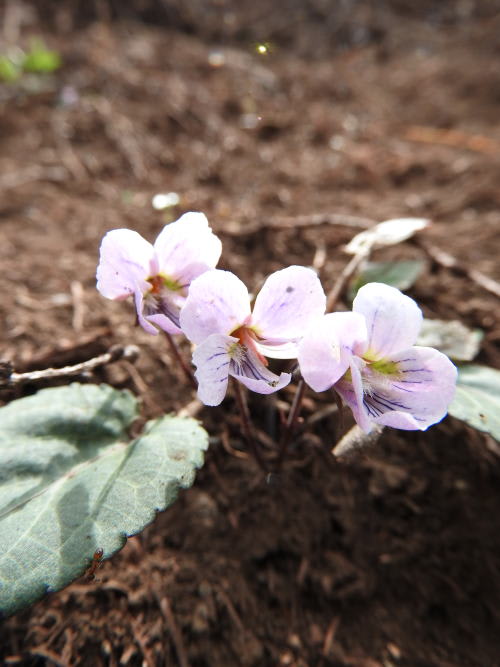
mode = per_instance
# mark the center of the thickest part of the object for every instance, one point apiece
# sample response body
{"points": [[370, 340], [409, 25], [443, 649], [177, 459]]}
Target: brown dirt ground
{"points": [[377, 110]]}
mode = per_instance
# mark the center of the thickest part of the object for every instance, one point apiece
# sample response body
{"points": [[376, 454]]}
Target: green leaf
{"points": [[452, 338], [401, 274], [477, 401], [41, 60], [71, 484], [9, 71]]}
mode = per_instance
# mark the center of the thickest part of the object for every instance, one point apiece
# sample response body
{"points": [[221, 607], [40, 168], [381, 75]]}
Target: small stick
{"points": [[341, 219], [452, 138], [191, 409], [78, 295], [224, 438], [330, 636], [449, 262], [175, 633], [182, 363], [321, 414], [346, 274], [115, 353], [319, 258], [295, 222], [246, 424], [224, 597]]}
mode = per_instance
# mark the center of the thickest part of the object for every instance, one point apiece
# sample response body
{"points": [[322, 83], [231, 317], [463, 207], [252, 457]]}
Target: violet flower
{"points": [[369, 358], [233, 340], [157, 276]]}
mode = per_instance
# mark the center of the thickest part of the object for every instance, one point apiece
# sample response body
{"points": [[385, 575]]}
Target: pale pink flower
{"points": [[370, 359], [233, 340], [157, 276]]}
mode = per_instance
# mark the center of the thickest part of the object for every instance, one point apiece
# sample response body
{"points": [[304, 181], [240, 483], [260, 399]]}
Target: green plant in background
{"points": [[41, 60], [9, 70], [37, 60]]}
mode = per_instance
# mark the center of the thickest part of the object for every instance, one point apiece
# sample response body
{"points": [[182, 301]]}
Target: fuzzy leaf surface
{"points": [[477, 400], [401, 275], [71, 483], [451, 338]]}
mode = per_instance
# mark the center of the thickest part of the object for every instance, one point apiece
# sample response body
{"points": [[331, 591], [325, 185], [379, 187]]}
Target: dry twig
{"points": [[298, 221], [116, 353], [340, 219], [78, 298], [449, 262], [346, 274], [191, 409], [175, 633], [453, 138], [330, 636]]}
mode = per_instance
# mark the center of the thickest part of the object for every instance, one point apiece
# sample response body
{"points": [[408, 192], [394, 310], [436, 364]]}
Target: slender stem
{"points": [[340, 423], [182, 363], [346, 274], [246, 424], [291, 423]]}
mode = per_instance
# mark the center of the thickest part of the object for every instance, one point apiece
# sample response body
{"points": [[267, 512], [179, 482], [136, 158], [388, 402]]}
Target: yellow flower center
{"points": [[385, 367]]}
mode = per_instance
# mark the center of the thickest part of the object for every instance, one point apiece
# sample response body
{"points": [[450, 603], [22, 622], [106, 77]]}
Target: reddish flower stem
{"points": [[291, 423], [293, 415], [182, 363], [246, 424]]}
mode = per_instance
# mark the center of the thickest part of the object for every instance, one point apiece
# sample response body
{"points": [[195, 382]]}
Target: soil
{"points": [[390, 558]]}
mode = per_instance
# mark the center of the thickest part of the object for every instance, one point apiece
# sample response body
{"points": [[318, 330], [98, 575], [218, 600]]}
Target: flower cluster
{"points": [[368, 355]]}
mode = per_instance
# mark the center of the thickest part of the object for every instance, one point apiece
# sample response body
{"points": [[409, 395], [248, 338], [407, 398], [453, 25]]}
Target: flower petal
{"points": [[277, 349], [353, 395], [187, 248], [212, 361], [164, 323], [393, 320], [139, 306], [251, 372], [217, 302], [163, 310], [420, 393], [413, 398], [326, 350], [287, 305], [126, 261]]}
